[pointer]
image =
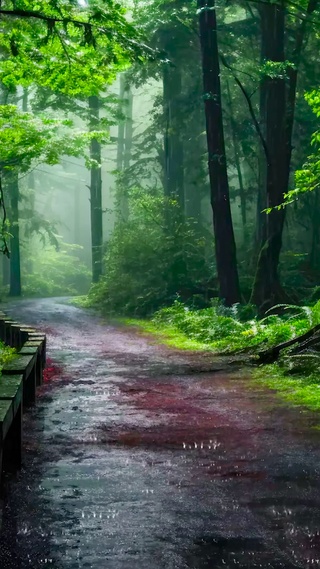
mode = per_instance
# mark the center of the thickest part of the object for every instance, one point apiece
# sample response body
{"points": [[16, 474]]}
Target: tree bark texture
{"points": [[95, 193], [237, 162], [278, 99], [225, 248]]}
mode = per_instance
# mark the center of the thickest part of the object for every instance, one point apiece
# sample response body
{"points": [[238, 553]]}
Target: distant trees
{"points": [[228, 126], [79, 50], [250, 85]]}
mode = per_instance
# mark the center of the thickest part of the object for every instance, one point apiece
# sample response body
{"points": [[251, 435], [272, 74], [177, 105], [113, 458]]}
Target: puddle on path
{"points": [[131, 463]]}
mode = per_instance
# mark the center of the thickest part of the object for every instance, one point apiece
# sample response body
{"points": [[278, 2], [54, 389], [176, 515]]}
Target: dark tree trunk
{"points": [[95, 193], [262, 168], [236, 152], [127, 149], [173, 145], [128, 130], [15, 272], [223, 229], [278, 106], [266, 290], [315, 232]]}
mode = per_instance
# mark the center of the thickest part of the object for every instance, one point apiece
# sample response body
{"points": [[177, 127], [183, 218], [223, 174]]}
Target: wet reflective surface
{"points": [[137, 458]]}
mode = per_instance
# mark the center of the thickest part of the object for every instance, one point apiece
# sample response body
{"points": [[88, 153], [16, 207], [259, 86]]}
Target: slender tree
{"points": [[173, 145], [95, 192], [225, 248]]}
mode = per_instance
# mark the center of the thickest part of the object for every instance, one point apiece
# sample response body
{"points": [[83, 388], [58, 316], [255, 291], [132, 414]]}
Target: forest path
{"points": [[131, 463]]}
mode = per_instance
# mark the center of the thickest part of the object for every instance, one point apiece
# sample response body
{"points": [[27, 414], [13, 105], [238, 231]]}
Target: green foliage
{"points": [[66, 47], [276, 69], [25, 138], [300, 389], [153, 257], [6, 355], [307, 179], [48, 271], [227, 330]]}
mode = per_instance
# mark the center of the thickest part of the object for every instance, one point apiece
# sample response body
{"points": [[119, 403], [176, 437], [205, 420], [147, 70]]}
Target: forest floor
{"points": [[137, 456]]}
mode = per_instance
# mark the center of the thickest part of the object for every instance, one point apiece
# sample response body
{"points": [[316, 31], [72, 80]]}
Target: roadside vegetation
{"points": [[237, 330], [175, 148], [6, 355]]}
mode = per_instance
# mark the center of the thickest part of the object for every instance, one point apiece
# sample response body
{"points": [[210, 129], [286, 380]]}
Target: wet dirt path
{"points": [[133, 460]]}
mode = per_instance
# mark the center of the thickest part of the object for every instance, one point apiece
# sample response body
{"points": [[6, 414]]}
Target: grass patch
{"points": [[237, 330], [166, 334], [219, 329], [80, 301], [296, 389]]}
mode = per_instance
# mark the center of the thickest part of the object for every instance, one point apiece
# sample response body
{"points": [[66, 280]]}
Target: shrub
{"points": [[227, 330], [153, 257]]}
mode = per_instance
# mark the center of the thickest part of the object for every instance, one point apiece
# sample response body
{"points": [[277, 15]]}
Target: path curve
{"points": [[133, 460]]}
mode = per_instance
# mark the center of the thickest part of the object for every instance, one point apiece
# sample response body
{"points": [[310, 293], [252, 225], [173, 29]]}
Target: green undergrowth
{"points": [[81, 301], [236, 330], [166, 334], [226, 330], [299, 389]]}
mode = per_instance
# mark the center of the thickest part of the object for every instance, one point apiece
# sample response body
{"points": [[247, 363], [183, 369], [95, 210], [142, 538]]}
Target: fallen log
{"points": [[272, 354], [306, 344]]}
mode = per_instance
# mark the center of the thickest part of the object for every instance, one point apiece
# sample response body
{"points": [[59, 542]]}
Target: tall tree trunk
{"points": [[121, 125], [195, 183], [124, 143], [128, 130], [15, 271], [314, 259], [127, 149], [95, 193], [14, 198], [173, 145], [225, 248], [278, 109], [236, 152], [266, 289]]}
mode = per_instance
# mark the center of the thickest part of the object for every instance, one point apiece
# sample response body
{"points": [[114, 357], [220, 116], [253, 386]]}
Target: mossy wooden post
{"points": [[6, 419], [16, 337], [7, 331], [11, 389], [34, 350], [25, 365], [40, 338]]}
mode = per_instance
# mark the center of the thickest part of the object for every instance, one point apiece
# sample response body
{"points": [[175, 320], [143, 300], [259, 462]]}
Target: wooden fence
{"points": [[18, 386]]}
